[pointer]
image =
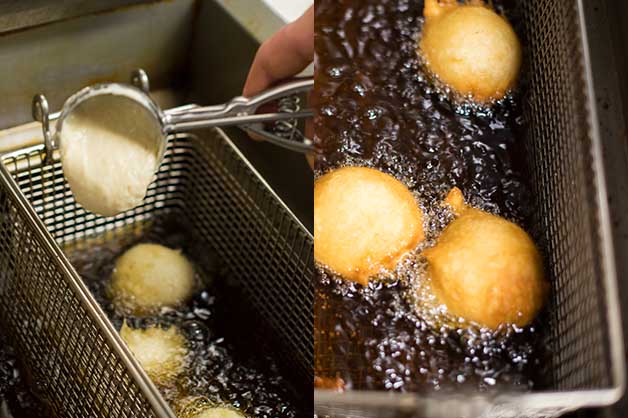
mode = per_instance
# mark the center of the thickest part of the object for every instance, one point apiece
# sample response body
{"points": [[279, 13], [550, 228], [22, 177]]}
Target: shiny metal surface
{"points": [[239, 111], [19, 15], [243, 112], [78, 361], [565, 153], [188, 63], [608, 40], [104, 47], [186, 58]]}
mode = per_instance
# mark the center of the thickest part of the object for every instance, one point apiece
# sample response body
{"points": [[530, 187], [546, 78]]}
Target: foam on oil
{"points": [[17, 398], [228, 364], [378, 107]]}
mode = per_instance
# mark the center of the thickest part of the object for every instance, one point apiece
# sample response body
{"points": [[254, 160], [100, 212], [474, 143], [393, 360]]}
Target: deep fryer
{"points": [[569, 182]]}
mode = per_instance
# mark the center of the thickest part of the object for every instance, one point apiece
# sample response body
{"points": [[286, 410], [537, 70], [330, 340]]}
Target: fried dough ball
{"points": [[161, 353], [364, 220], [201, 407], [333, 383], [150, 276], [470, 48], [486, 269], [218, 413]]}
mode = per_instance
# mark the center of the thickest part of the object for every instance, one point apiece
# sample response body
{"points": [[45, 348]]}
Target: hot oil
{"points": [[227, 362], [16, 397], [378, 107], [393, 335]]}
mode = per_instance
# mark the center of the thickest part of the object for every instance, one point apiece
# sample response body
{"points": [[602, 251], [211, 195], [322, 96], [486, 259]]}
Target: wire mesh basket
{"points": [[77, 362], [567, 174]]}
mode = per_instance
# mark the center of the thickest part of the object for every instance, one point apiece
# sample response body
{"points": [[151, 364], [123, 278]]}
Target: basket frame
{"points": [[550, 403], [53, 247]]}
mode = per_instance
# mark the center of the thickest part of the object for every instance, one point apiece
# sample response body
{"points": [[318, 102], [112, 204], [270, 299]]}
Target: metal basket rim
{"points": [[41, 147], [609, 273], [565, 400], [536, 400], [148, 389], [157, 402]]}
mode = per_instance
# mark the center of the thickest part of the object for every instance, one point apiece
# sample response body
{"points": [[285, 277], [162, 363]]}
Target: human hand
{"points": [[283, 55]]}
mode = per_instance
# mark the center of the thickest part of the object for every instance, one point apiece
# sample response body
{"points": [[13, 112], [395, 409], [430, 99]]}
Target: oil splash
{"points": [[378, 107], [17, 398], [220, 371]]}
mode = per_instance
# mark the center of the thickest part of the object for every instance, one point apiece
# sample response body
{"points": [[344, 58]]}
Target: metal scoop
{"points": [[240, 111]]}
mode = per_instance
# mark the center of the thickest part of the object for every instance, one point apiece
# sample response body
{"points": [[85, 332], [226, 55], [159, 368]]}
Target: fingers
{"points": [[285, 54]]}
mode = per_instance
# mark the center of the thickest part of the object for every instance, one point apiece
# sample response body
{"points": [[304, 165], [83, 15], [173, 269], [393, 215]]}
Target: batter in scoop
{"points": [[109, 151]]}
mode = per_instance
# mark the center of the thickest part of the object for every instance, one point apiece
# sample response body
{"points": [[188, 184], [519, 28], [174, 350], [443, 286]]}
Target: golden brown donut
{"points": [[364, 221], [201, 407], [486, 269], [470, 48]]}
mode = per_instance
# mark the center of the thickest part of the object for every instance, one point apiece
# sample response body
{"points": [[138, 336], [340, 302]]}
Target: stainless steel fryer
{"points": [[568, 177], [567, 173], [77, 361]]}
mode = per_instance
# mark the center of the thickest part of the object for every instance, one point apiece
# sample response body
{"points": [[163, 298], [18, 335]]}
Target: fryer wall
{"points": [[562, 159], [571, 225]]}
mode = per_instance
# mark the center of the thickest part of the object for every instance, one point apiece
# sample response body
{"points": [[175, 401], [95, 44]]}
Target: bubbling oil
{"points": [[213, 322], [17, 399], [378, 107]]}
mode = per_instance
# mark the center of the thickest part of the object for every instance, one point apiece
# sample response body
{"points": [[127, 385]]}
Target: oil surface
{"points": [[227, 362], [16, 397], [378, 107]]}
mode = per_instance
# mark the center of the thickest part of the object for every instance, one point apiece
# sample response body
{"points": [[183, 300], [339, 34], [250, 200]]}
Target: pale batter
{"points": [[148, 277], [110, 149], [219, 413], [160, 352]]}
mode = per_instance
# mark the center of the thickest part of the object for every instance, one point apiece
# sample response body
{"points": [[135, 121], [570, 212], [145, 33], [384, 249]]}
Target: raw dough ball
{"points": [[487, 270], [160, 352], [109, 151], [150, 276], [218, 413], [201, 407], [364, 220], [470, 48]]}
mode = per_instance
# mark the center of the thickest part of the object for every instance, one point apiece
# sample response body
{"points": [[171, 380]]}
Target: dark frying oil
{"points": [[228, 362], [377, 106], [16, 397]]}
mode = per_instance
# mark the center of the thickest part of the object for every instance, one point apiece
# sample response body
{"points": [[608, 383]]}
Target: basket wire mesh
{"points": [[567, 175], [78, 363]]}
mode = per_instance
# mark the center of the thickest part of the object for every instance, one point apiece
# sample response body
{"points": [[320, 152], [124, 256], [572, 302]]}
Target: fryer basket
{"points": [[564, 156], [77, 362]]}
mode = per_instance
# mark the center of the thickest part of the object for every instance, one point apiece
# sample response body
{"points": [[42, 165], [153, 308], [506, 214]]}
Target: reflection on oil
{"points": [[226, 364], [379, 107]]}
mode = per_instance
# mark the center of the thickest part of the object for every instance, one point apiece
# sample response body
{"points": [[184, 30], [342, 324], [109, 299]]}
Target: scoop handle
{"points": [[242, 111]]}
